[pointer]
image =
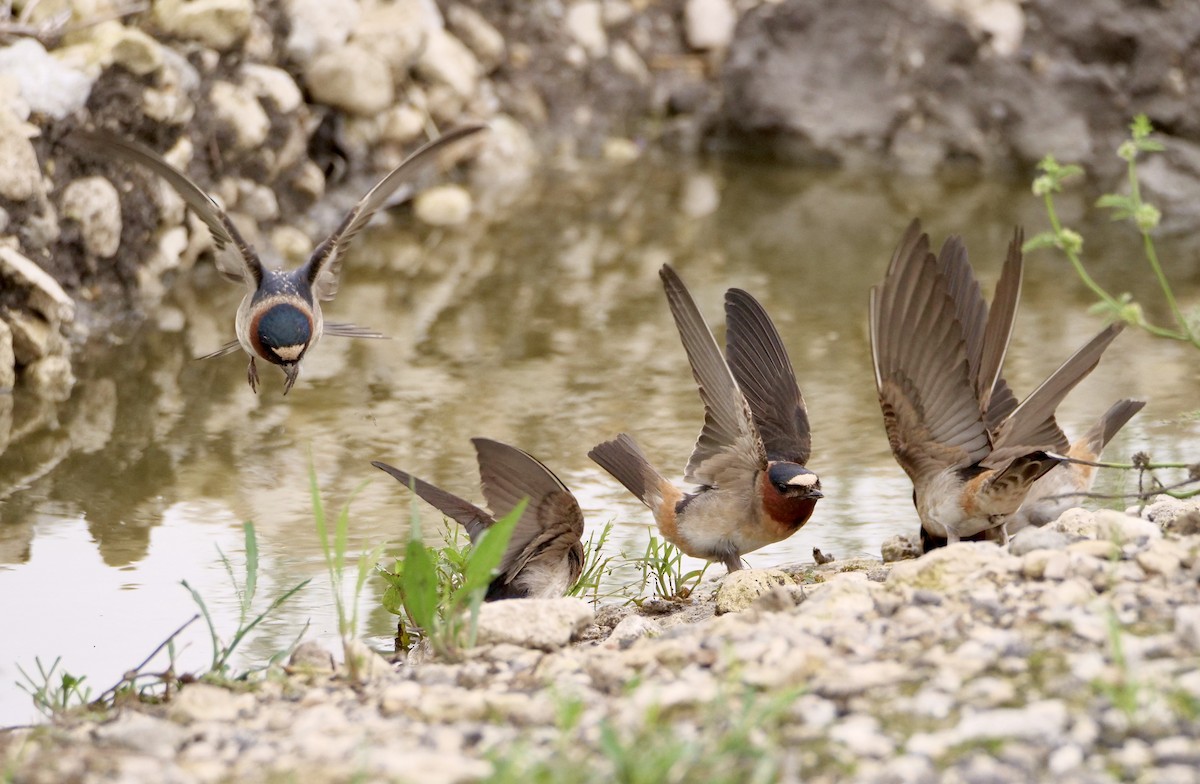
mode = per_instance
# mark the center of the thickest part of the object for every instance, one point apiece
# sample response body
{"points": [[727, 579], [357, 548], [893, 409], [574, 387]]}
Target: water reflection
{"points": [[544, 327]]}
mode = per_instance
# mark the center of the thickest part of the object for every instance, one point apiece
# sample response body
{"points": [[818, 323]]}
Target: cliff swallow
{"points": [[1061, 488], [749, 459], [279, 319], [953, 423], [544, 557]]}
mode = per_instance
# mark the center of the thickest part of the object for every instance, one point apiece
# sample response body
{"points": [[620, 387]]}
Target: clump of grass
{"points": [[57, 692], [222, 652], [596, 567], [437, 592], [661, 568], [334, 550], [1132, 207], [54, 691]]}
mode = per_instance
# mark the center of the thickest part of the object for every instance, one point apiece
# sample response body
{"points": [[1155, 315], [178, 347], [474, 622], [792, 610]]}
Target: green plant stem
{"points": [[1073, 257], [1186, 331]]}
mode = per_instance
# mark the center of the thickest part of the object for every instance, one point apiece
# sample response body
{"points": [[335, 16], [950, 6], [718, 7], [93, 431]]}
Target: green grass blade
{"points": [[212, 630], [487, 553], [251, 584]]}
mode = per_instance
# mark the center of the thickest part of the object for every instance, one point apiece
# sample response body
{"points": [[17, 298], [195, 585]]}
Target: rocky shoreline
{"points": [[1074, 652]]}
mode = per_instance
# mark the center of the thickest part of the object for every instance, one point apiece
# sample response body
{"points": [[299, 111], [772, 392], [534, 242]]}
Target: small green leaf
{"points": [[420, 585], [1115, 201], [1140, 128], [1046, 239]]}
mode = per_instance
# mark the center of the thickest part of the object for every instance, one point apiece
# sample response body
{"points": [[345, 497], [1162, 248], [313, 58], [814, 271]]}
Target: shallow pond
{"points": [[543, 326]]}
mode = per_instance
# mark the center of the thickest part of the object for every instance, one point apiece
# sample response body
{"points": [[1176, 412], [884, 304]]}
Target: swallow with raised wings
{"points": [[544, 556], [1062, 487], [749, 459], [954, 425], [279, 320]]}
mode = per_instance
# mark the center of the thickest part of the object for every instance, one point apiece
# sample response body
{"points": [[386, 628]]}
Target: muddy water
{"points": [[543, 326]]}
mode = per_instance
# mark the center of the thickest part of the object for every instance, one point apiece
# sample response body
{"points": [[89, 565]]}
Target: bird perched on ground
{"points": [[280, 319], [953, 423], [1060, 489], [750, 456], [544, 556]]}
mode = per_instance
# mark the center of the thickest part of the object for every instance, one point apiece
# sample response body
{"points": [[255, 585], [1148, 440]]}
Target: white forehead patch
{"points": [[289, 353], [803, 480]]}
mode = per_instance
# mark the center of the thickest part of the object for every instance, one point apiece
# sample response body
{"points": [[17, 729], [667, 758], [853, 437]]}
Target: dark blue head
{"points": [[794, 480], [281, 333]]}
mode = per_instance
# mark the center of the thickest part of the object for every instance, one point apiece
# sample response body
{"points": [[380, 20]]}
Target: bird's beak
{"points": [[292, 372], [814, 494]]}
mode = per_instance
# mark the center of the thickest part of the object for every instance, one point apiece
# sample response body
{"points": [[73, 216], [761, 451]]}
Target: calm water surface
{"points": [[543, 326]]}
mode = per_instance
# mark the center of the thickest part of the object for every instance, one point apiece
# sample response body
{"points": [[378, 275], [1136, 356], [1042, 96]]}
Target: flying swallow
{"points": [[971, 451], [544, 557], [1061, 488], [749, 459], [280, 318]]}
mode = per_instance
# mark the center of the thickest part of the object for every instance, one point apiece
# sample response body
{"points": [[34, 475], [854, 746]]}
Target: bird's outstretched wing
{"points": [[760, 365], [930, 409], [324, 265], [247, 267], [471, 517], [729, 449], [552, 521]]}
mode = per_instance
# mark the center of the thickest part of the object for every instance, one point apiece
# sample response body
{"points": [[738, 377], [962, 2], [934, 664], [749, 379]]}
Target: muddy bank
{"points": [[1073, 652]]}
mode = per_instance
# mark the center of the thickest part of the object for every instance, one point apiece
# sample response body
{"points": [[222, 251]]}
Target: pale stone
{"points": [[446, 60], [1033, 538], [203, 702], [1187, 626], [45, 295], [154, 737], [740, 588], [311, 656], [953, 568], [533, 623], [135, 51], [21, 174], [353, 79], [50, 378], [900, 547], [620, 150], [584, 24], [1104, 524], [701, 196], [216, 23], [236, 107], [318, 26], [443, 205], [273, 84], [32, 336], [47, 85], [478, 34], [631, 628], [708, 24], [402, 124], [396, 32], [95, 204], [629, 62]]}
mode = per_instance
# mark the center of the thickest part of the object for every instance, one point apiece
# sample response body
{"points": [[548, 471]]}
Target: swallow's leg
{"points": [[252, 376], [952, 537], [733, 562]]}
